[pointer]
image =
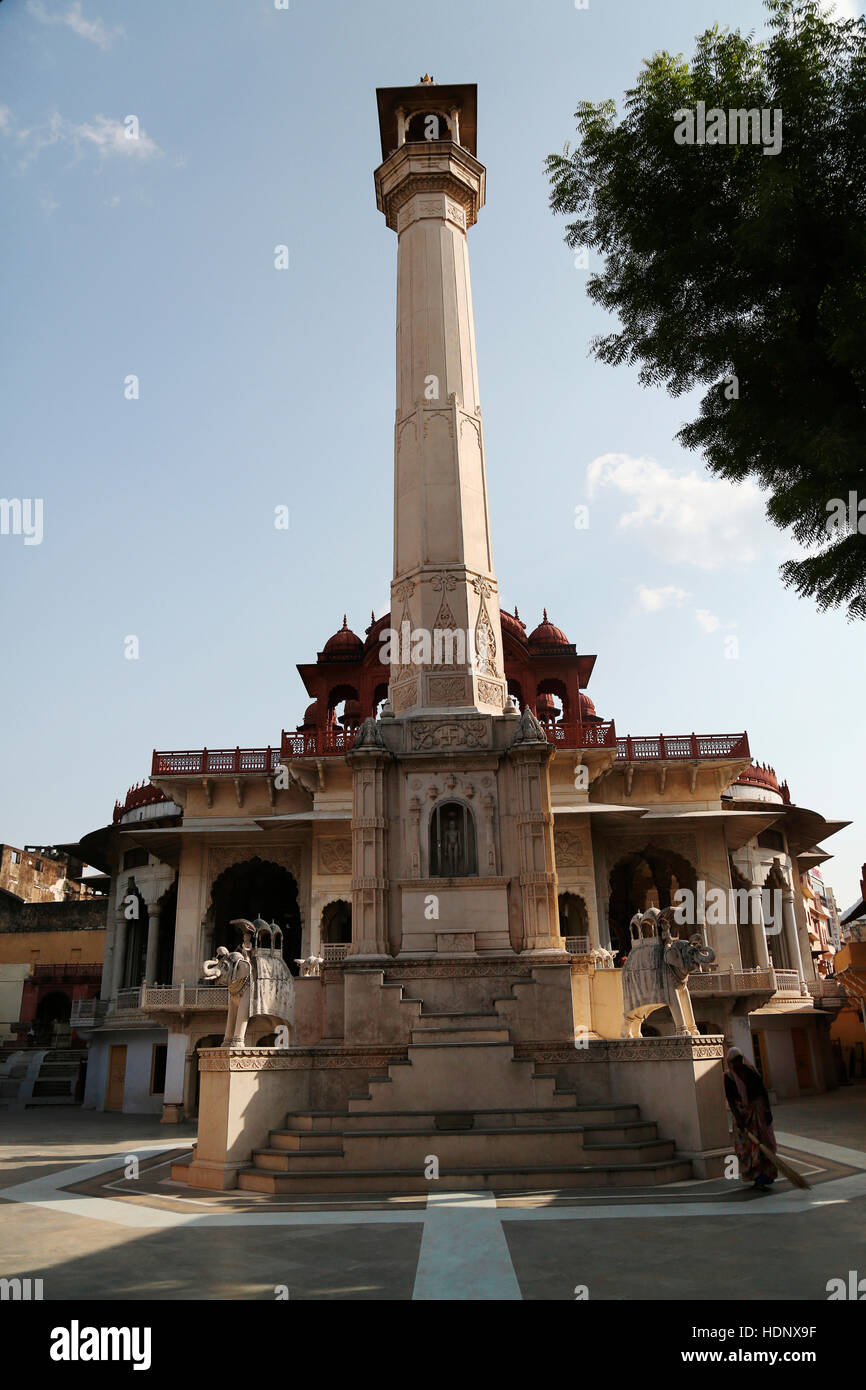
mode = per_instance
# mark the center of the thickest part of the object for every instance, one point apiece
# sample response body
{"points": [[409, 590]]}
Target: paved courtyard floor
{"points": [[87, 1205]]}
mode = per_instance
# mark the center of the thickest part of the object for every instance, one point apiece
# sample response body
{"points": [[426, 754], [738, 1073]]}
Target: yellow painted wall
{"points": [[52, 948]]}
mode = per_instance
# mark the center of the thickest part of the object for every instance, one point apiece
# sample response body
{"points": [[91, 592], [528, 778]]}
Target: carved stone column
{"points": [[793, 937], [759, 928], [119, 953], [369, 763], [530, 754], [153, 915]]}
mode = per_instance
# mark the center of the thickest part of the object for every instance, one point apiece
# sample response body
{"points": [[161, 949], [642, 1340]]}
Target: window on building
{"points": [[157, 1069], [16, 857]]}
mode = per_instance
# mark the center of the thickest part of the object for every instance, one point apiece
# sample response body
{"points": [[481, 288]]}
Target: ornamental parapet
{"points": [[706, 1047]]}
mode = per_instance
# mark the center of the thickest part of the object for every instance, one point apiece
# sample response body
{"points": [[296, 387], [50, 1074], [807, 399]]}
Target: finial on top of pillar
{"points": [[426, 80]]}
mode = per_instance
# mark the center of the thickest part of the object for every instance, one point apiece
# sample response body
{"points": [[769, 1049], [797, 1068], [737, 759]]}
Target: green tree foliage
{"points": [[722, 261]]}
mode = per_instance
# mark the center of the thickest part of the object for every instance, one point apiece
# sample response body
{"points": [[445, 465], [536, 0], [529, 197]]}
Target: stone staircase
{"points": [[57, 1078], [489, 1119]]}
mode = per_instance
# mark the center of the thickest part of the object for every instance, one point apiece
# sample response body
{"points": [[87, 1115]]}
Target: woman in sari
{"points": [[749, 1105]]}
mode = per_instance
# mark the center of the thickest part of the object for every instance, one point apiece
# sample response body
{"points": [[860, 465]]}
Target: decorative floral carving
{"points": [[404, 696], [570, 848], [447, 689], [335, 856], [491, 693]]}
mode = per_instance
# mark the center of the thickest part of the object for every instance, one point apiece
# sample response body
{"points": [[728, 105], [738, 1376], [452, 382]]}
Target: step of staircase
{"points": [[468, 1033], [337, 1121], [410, 1181], [373, 1151], [460, 1019]]}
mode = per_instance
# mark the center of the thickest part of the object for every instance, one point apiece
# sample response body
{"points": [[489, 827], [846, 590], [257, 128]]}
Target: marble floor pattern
{"points": [[75, 1212]]}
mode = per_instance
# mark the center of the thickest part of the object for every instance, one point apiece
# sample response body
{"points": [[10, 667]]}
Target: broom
{"points": [[784, 1168]]}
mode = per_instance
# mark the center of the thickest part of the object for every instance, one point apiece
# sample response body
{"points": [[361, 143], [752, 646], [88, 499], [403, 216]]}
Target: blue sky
{"points": [[259, 388]]}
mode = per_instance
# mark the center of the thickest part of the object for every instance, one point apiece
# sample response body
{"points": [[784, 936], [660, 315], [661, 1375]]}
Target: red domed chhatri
{"points": [[548, 635], [759, 775], [344, 641]]}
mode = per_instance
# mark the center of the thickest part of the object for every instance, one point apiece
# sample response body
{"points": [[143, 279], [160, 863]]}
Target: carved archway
{"points": [[573, 916], [257, 888], [336, 927], [645, 878]]}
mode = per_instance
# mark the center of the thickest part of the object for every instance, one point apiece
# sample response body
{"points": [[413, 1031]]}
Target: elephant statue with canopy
{"points": [[656, 972], [259, 982]]}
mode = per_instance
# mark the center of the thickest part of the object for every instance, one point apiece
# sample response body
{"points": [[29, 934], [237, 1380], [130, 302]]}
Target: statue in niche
{"points": [[452, 848], [452, 841]]}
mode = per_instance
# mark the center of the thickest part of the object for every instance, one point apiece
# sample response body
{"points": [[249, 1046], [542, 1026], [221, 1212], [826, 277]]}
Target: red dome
{"points": [[547, 635], [586, 708], [310, 715], [759, 775], [511, 623], [545, 707], [343, 641]]}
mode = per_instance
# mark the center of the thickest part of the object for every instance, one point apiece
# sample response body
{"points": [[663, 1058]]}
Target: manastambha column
{"points": [[444, 595]]}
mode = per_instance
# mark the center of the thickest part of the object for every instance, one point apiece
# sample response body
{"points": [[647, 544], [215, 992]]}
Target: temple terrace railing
{"points": [[664, 747], [205, 762], [86, 1011], [729, 982], [171, 997], [787, 982], [577, 945], [235, 762]]}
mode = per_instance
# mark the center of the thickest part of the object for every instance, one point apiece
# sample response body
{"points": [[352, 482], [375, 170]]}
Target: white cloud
{"points": [[686, 518], [707, 620], [91, 29], [105, 134], [111, 136], [652, 600], [48, 205]]}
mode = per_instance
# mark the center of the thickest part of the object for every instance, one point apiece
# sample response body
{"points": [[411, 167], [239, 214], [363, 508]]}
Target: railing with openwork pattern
{"points": [[582, 735], [334, 742], [756, 981], [209, 762], [664, 747]]}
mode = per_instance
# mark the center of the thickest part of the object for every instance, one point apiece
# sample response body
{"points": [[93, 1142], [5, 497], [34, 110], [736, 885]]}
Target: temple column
{"points": [[791, 934], [530, 754], [153, 915], [369, 851], [119, 953], [758, 929], [175, 1075]]}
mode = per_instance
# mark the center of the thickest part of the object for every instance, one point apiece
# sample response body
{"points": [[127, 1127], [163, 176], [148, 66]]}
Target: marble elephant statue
{"points": [[259, 982], [656, 972]]}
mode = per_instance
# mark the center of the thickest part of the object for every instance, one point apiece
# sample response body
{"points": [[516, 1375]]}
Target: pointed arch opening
{"points": [[257, 888]]}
